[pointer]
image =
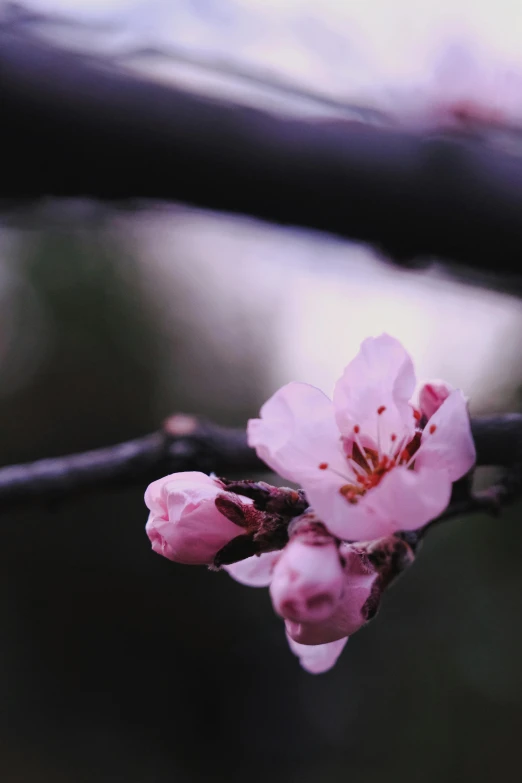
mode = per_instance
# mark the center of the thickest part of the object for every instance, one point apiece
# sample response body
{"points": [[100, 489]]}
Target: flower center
{"points": [[367, 465]]}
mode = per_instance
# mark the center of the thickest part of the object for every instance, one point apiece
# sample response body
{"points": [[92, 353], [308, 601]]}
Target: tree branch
{"points": [[75, 127], [188, 443], [498, 441], [183, 443]]}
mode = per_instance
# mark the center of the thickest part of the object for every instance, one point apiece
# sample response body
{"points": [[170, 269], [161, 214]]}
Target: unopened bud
{"points": [[431, 397]]}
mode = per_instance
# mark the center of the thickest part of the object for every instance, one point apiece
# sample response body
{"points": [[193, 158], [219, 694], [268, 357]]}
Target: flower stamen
{"points": [[356, 431], [326, 466], [350, 493], [370, 465], [416, 453], [380, 411], [356, 467]]}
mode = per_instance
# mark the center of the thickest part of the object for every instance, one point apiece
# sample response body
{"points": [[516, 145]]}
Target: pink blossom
{"points": [[325, 590], [318, 642], [308, 579], [431, 397], [347, 615], [471, 86], [367, 467], [184, 523], [465, 87]]}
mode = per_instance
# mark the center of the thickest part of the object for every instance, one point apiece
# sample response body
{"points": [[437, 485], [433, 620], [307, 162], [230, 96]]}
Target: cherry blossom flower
{"points": [[350, 610], [324, 589], [367, 461], [431, 397], [308, 580], [185, 524], [317, 644]]}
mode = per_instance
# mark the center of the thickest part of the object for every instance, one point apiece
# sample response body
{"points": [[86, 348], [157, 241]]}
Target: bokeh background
{"points": [[117, 665]]}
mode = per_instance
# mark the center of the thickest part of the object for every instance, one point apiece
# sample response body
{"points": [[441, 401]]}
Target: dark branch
{"points": [[498, 440], [188, 443], [184, 443], [76, 127]]}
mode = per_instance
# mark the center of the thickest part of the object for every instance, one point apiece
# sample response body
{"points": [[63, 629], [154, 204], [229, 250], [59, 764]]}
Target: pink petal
{"points": [[349, 616], [447, 442], [184, 524], [319, 658], [255, 571], [308, 580], [404, 500], [381, 375], [155, 494], [297, 432], [432, 395]]}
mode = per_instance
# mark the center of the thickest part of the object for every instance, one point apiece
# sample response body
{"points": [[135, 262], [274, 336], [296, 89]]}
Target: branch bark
{"points": [[188, 443], [76, 127], [183, 443]]}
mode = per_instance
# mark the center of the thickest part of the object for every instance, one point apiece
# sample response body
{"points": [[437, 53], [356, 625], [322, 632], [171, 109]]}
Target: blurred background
{"points": [[117, 665]]}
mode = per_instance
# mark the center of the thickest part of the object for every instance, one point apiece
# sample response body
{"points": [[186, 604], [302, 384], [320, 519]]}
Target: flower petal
{"points": [[308, 579], [156, 492], [349, 616], [184, 524], [447, 442], [297, 432], [380, 376], [431, 396], [404, 500], [255, 571], [317, 659]]}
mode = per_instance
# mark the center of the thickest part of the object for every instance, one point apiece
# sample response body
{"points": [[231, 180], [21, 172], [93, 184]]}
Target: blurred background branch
{"points": [[78, 126], [20, 19]]}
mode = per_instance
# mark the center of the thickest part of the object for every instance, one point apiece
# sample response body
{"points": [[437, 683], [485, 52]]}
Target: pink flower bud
{"points": [[309, 567], [307, 582], [184, 523], [350, 613], [432, 395]]}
